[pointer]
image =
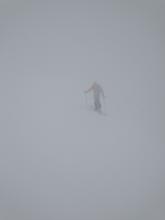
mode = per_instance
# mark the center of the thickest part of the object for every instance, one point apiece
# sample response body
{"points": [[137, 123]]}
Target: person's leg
{"points": [[97, 105]]}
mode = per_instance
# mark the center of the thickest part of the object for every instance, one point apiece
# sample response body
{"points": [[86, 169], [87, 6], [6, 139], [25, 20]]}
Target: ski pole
{"points": [[86, 103], [105, 109]]}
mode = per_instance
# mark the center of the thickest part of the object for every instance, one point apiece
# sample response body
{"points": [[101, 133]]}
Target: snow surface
{"points": [[60, 160]]}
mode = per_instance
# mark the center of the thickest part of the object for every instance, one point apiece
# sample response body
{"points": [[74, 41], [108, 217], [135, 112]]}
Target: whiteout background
{"points": [[59, 160]]}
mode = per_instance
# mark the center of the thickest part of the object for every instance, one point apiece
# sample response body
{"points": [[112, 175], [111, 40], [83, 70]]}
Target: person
{"points": [[97, 94]]}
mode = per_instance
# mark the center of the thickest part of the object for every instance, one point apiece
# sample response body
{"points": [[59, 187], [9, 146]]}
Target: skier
{"points": [[97, 93]]}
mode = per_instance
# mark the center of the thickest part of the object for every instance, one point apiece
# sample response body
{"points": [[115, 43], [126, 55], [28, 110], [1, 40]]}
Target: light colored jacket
{"points": [[97, 91]]}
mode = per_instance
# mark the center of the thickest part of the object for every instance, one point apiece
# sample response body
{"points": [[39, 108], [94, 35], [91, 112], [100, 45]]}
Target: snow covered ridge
{"points": [[59, 157]]}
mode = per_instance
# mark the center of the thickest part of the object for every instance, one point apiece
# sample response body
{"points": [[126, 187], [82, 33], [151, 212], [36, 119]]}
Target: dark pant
{"points": [[97, 105]]}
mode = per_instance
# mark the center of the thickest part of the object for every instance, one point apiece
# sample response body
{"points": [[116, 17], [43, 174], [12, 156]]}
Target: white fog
{"points": [[60, 160]]}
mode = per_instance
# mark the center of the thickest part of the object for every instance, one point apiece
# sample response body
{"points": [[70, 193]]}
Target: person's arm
{"points": [[89, 90]]}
